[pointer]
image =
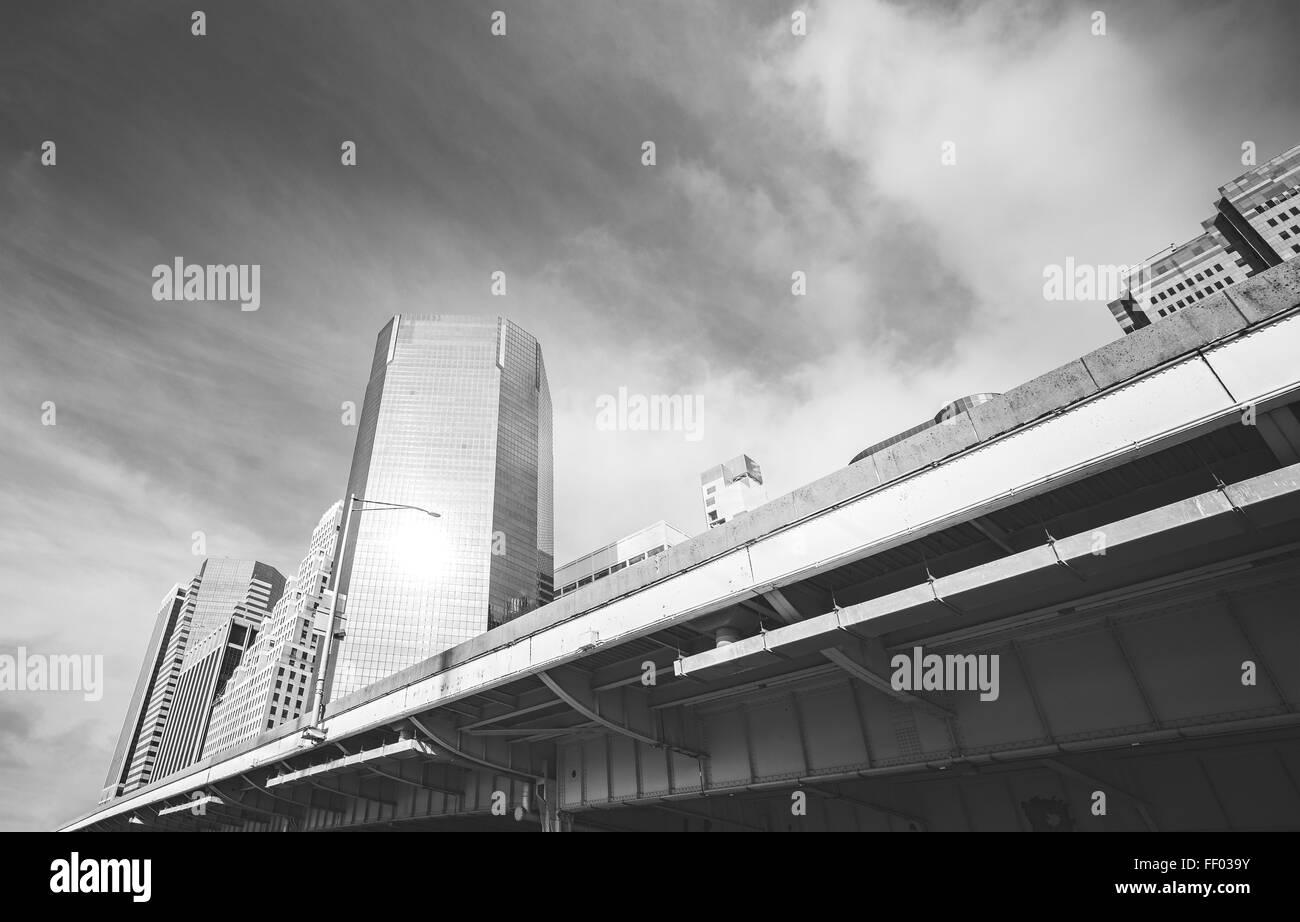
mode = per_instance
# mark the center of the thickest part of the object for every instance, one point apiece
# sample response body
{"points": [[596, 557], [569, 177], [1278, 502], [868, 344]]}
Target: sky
{"points": [[822, 153]]}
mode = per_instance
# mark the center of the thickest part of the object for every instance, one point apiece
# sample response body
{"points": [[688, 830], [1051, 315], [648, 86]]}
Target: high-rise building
{"points": [[131, 736], [1255, 225], [732, 488], [636, 547], [273, 683], [456, 420], [223, 592]]}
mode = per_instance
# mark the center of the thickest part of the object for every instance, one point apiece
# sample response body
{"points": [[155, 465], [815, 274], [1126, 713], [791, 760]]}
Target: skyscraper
{"points": [[731, 488], [456, 420], [1256, 225], [222, 592], [131, 736], [273, 683]]}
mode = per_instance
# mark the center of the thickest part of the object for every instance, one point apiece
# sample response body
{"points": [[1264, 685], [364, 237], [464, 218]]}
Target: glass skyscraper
{"points": [[457, 420]]}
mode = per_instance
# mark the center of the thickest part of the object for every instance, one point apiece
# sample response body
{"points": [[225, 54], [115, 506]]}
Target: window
{"points": [[710, 491]]}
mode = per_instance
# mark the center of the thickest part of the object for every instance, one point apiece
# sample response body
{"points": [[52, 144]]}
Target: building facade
{"points": [[132, 735], [632, 549], [222, 590], [732, 488], [1255, 225], [275, 680], [456, 420]]}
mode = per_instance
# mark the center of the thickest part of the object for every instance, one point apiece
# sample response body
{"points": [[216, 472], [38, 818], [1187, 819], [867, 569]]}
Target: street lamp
{"points": [[325, 672]]}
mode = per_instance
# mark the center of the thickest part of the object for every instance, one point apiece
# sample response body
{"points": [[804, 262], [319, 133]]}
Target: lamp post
{"points": [[325, 672]]}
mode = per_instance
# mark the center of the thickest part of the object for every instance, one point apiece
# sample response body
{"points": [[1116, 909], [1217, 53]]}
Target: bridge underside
{"points": [[1146, 684]]}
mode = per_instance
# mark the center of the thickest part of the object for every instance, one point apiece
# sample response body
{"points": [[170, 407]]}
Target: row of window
{"points": [[1272, 222], [1181, 286], [600, 574], [1282, 197], [1192, 297]]}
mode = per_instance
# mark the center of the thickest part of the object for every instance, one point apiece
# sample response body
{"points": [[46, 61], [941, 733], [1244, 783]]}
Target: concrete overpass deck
{"points": [[1122, 532]]}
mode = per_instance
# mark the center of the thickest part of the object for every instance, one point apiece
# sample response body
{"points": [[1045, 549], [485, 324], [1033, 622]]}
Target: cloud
{"points": [[775, 153]]}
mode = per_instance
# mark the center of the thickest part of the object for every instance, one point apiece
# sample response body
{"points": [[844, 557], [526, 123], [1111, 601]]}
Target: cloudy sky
{"points": [[522, 153]]}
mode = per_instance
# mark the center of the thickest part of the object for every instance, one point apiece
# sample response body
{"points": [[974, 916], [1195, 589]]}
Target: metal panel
{"points": [[1190, 661], [727, 738], [775, 734], [1084, 684], [831, 718], [1010, 718], [1260, 363]]}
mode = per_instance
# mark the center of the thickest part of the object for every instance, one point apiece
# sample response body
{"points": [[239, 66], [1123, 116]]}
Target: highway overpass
{"points": [[1122, 533]]}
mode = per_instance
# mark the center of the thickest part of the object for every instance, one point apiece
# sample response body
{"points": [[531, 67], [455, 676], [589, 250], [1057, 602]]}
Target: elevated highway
{"points": [[1122, 534]]}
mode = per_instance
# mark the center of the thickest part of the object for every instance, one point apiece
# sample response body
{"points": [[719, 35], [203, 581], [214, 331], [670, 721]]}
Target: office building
{"points": [[1255, 225], [456, 420], [221, 592], [217, 587], [632, 549], [274, 681], [731, 488], [131, 736]]}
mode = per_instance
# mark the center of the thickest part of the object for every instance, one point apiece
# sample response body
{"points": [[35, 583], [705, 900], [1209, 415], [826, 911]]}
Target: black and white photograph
{"points": [[651, 416]]}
